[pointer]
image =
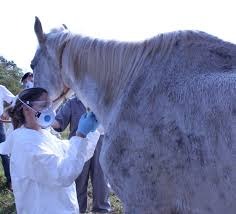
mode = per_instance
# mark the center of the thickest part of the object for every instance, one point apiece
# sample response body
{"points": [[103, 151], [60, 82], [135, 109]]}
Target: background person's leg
{"points": [[5, 158], [101, 201], [6, 168], [82, 186]]}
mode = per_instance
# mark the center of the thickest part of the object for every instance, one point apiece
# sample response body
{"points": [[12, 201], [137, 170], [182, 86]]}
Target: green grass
{"points": [[7, 205], [115, 202]]}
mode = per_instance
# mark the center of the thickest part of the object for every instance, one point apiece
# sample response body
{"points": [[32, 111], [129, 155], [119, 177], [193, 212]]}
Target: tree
{"points": [[10, 75]]}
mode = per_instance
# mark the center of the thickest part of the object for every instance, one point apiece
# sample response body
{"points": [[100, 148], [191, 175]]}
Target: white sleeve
{"points": [[92, 137], [6, 146], [7, 95], [50, 169]]}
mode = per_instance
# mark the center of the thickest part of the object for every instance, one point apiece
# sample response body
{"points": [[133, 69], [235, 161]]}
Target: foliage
{"points": [[10, 75]]}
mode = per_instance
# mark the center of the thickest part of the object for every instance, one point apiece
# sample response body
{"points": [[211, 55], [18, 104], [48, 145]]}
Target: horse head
{"points": [[46, 64]]}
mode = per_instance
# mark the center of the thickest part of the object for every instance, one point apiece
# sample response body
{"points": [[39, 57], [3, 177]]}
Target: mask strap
{"points": [[37, 113]]}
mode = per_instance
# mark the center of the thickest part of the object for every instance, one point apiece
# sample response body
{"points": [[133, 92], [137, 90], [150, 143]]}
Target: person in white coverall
{"points": [[5, 96], [44, 168]]}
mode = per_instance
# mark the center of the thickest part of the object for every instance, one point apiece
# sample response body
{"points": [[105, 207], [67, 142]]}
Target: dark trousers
{"points": [[5, 158], [92, 167]]}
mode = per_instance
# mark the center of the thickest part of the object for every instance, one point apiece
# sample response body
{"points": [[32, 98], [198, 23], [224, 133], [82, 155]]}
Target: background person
{"points": [[27, 80], [69, 114], [7, 96]]}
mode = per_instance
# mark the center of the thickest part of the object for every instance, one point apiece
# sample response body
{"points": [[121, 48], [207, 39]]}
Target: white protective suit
{"points": [[43, 169]]}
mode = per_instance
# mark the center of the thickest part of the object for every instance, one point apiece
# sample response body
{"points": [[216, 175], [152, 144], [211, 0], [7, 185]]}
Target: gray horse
{"points": [[168, 107]]}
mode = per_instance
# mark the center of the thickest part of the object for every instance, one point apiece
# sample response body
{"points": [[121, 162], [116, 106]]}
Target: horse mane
{"points": [[119, 62], [161, 44]]}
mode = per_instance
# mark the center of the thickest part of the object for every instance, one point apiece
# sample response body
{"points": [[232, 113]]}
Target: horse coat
{"points": [[168, 108]]}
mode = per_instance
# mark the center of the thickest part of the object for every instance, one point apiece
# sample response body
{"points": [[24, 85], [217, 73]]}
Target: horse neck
{"points": [[100, 71]]}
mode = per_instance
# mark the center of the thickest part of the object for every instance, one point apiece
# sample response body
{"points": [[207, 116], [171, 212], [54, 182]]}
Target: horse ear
{"points": [[39, 30], [65, 26]]}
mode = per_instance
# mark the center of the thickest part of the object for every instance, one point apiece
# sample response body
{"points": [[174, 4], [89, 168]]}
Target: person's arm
{"points": [[6, 146], [56, 125], [4, 118], [53, 170], [5, 121], [7, 95], [63, 117]]}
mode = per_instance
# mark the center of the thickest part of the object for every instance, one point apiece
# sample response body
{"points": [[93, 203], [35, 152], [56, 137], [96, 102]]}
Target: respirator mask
{"points": [[45, 115], [28, 84]]}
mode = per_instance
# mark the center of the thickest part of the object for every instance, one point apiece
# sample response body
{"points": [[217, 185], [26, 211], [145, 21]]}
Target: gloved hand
{"points": [[87, 123]]}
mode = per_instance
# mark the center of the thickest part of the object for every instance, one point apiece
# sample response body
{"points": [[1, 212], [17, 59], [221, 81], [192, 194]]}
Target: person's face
{"points": [[30, 78], [42, 102]]}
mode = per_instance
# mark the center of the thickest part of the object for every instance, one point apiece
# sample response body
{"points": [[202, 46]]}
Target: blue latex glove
{"points": [[87, 123]]}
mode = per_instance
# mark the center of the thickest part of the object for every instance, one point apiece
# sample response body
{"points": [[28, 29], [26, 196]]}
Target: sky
{"points": [[123, 20]]}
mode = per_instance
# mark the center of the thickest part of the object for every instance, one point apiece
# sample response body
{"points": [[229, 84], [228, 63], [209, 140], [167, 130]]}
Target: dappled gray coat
{"points": [[168, 106]]}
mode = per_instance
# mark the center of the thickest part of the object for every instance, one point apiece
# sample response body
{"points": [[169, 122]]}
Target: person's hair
{"points": [[26, 75], [16, 112]]}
